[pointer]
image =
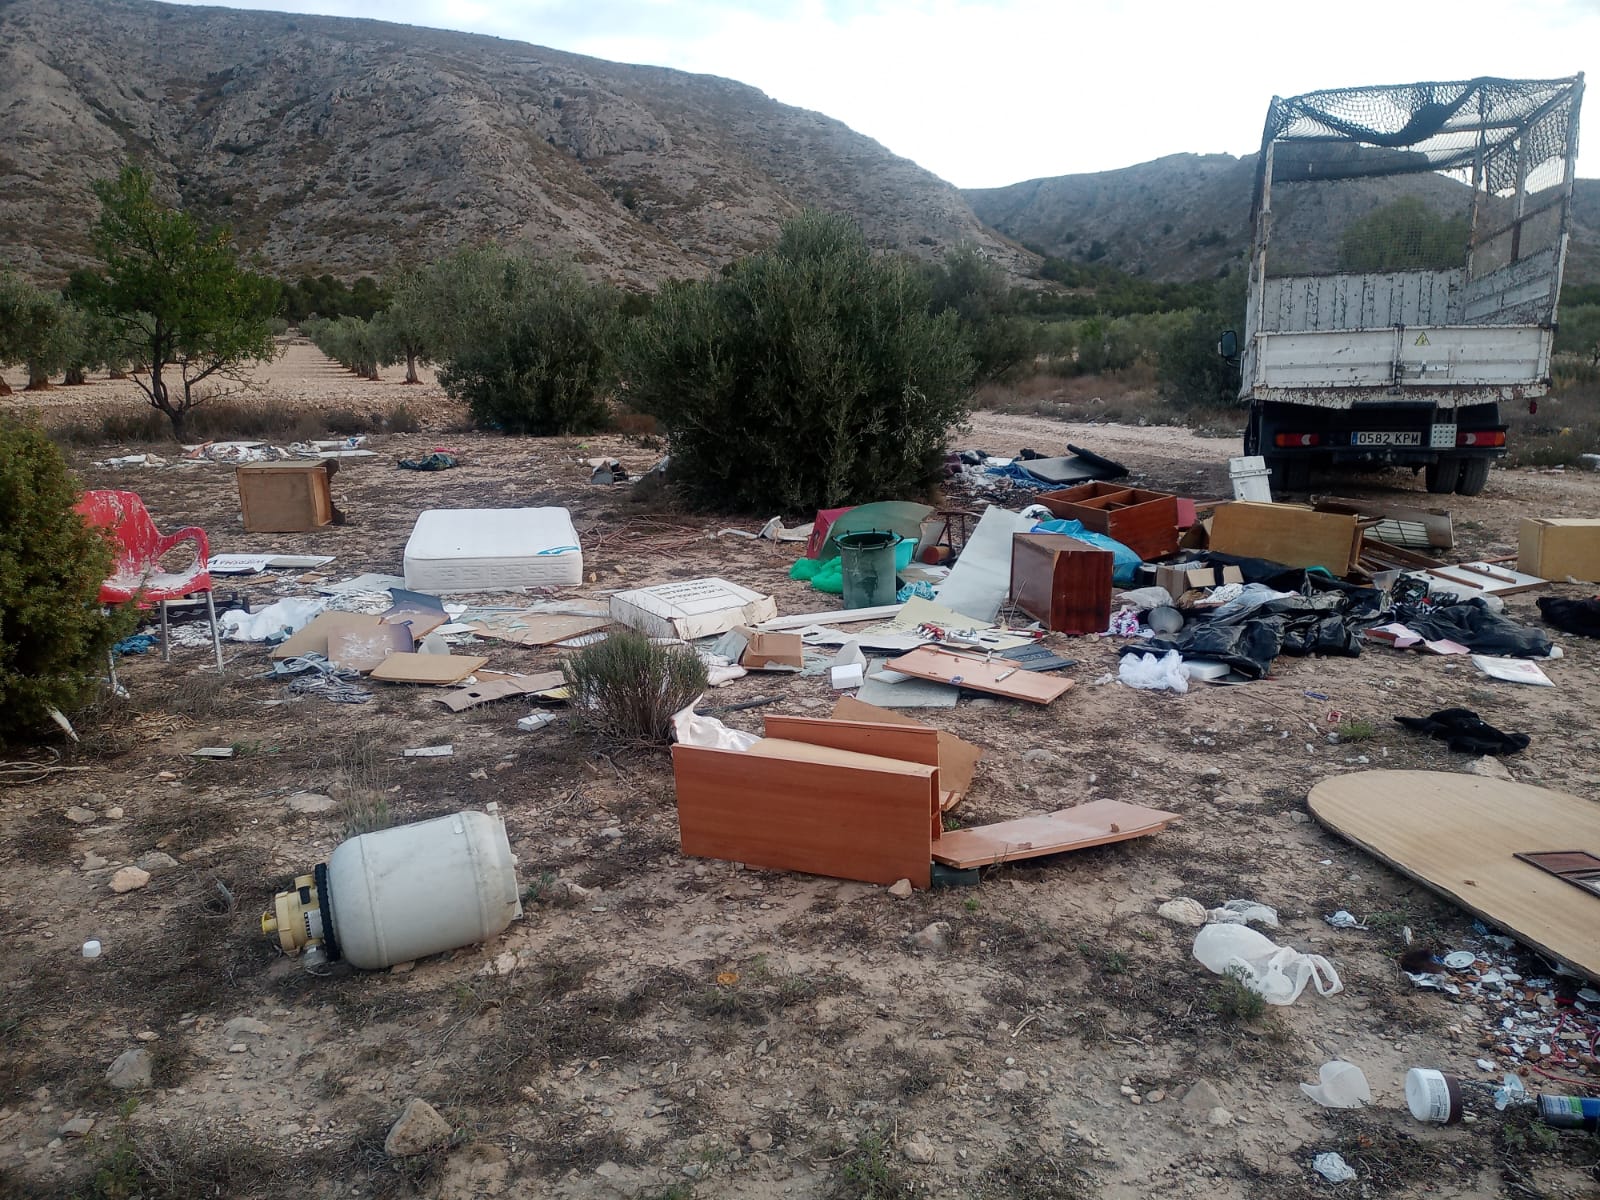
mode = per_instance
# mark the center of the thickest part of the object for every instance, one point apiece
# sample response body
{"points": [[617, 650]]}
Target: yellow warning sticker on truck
{"points": [[1422, 340]]}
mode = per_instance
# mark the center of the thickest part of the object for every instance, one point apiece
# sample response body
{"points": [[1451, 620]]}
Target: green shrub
{"points": [[53, 638], [523, 340], [806, 377], [1192, 373], [626, 687]]}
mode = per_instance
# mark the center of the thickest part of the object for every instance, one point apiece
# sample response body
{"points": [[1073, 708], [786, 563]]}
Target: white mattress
{"points": [[488, 549]]}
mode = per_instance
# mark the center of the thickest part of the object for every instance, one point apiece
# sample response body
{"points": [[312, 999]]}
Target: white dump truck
{"points": [[1404, 275]]}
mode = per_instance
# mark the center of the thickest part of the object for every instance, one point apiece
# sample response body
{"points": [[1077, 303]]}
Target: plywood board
{"points": [[1094, 824], [1287, 534], [957, 759], [823, 818], [312, 638], [1459, 835], [999, 678], [427, 668], [534, 628]]}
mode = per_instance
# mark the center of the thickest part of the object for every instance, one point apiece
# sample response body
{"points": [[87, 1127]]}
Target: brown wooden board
{"points": [[889, 740], [427, 668], [1460, 834], [1287, 534], [1000, 678], [957, 759], [1062, 582], [841, 819], [1092, 824]]}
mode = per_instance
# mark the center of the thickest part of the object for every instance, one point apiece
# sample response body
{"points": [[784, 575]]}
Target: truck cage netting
{"points": [[1500, 133]]}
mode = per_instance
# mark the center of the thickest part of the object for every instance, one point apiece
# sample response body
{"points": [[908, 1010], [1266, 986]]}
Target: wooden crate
{"points": [[286, 497], [1061, 581], [1144, 521]]}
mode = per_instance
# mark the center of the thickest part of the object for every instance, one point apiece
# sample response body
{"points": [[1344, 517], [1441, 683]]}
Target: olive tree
{"points": [[176, 296], [808, 376]]}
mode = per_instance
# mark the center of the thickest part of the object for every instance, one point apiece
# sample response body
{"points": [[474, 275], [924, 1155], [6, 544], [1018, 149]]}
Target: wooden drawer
{"points": [[1144, 521]]}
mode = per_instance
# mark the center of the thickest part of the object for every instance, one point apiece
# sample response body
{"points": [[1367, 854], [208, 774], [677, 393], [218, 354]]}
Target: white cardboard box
{"points": [[691, 608]]}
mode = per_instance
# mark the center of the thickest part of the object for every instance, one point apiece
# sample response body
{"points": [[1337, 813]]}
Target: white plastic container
{"points": [[1433, 1096], [421, 889], [1251, 478]]}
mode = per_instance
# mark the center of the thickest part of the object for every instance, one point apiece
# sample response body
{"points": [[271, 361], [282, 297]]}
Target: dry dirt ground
{"points": [[611, 1062]]}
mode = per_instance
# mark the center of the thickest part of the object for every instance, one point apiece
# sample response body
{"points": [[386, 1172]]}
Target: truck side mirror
{"points": [[1228, 345]]}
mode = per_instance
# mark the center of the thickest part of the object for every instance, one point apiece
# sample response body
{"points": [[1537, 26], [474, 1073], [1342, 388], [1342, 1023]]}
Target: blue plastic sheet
{"points": [[1124, 562]]}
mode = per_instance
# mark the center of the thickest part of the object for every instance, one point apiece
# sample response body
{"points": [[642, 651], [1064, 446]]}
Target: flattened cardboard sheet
{"points": [[438, 669], [492, 685], [997, 678], [312, 638], [364, 649]]}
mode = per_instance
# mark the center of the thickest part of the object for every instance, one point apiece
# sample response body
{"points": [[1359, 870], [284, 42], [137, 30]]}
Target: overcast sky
{"points": [[989, 92]]}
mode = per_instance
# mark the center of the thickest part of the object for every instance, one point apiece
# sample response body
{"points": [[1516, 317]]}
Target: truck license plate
{"points": [[1388, 437]]}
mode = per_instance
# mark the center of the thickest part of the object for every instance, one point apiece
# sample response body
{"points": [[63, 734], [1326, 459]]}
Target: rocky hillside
{"points": [[347, 145], [1185, 216]]}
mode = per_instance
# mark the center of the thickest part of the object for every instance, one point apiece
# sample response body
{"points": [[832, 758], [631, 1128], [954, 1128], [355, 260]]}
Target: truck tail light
{"points": [[1481, 439], [1297, 439], [1533, 407]]}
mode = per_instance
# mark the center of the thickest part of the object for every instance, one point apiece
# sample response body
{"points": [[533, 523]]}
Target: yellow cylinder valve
{"points": [[296, 916]]}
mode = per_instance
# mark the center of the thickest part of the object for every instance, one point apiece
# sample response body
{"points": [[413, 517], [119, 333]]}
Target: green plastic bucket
{"points": [[868, 568]]}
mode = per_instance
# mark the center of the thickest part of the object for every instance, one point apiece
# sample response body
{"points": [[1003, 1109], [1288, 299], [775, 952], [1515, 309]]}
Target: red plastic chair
{"points": [[137, 574]]}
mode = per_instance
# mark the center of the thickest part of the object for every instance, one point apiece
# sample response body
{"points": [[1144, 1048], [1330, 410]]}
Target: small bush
{"points": [[870, 1172], [627, 688], [402, 419], [53, 636], [1234, 1000], [1355, 729], [809, 376]]}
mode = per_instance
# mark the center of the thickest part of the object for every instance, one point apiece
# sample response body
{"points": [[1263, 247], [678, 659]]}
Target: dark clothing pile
{"points": [[1463, 730], [1323, 616], [1472, 624], [1572, 616]]}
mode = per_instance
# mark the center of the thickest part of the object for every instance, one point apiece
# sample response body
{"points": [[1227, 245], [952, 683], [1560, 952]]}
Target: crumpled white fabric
{"points": [[1278, 974], [1155, 674], [689, 728], [273, 623]]}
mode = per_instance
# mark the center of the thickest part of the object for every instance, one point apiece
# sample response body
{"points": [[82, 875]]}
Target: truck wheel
{"points": [[1474, 477], [1442, 475]]}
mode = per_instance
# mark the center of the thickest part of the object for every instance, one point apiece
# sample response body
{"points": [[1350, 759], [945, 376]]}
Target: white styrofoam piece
{"points": [[692, 608], [488, 549], [981, 578]]}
